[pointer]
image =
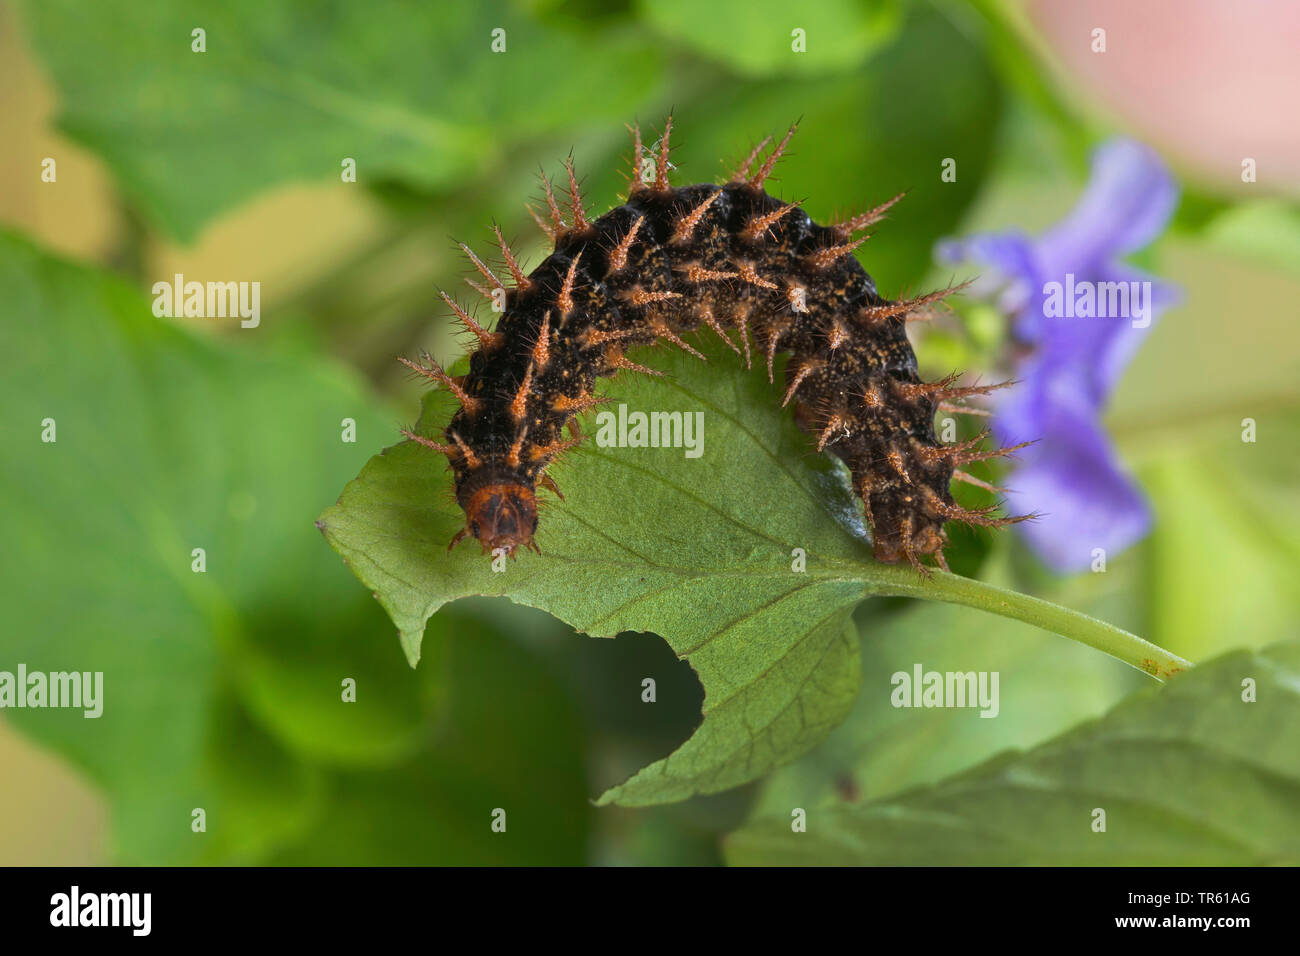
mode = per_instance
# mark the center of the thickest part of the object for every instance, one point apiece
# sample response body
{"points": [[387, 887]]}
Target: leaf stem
{"points": [[1129, 648]]}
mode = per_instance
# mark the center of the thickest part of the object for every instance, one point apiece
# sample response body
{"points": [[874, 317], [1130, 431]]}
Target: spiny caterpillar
{"points": [[667, 262]]}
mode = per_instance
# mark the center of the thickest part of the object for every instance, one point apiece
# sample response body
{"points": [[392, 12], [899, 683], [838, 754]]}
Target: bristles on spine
{"points": [[488, 341]]}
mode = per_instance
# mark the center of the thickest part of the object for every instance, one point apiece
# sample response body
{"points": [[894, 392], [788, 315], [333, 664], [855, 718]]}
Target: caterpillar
{"points": [[674, 260]]}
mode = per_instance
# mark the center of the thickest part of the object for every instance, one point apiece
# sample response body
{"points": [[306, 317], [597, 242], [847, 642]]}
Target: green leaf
{"points": [[1189, 774], [701, 551], [650, 540], [757, 37], [287, 92], [166, 443], [1045, 687]]}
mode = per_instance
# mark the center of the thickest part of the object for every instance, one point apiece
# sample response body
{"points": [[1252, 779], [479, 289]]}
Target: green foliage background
{"points": [[223, 689]]}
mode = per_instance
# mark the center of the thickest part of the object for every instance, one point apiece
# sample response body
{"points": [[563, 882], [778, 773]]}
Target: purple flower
{"points": [[1079, 314]]}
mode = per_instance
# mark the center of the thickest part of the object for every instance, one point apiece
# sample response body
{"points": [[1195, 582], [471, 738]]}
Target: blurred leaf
{"points": [[1254, 530], [1044, 686], [1188, 774], [1023, 58], [168, 443], [1199, 367], [863, 139], [292, 671], [286, 91], [1267, 231], [509, 739], [756, 37], [267, 794]]}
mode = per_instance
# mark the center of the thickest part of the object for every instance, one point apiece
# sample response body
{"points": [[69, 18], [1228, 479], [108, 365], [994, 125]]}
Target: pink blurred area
{"points": [[1208, 82]]}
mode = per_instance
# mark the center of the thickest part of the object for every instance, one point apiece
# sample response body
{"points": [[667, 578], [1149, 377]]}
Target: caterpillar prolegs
{"points": [[671, 261]]}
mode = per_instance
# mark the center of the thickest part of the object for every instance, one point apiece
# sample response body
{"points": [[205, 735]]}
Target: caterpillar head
{"points": [[500, 511]]}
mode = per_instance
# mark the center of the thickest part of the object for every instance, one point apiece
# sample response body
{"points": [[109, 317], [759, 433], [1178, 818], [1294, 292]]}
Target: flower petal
{"points": [[1112, 346], [1078, 355], [1128, 202], [1008, 253], [1073, 480], [1086, 355]]}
